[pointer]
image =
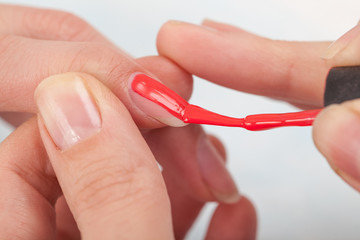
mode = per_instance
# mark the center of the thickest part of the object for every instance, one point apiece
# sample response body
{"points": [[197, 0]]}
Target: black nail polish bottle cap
{"points": [[342, 84]]}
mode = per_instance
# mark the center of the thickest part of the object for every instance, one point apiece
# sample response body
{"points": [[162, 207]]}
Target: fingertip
{"points": [[208, 22], [246, 207], [324, 123], [219, 26], [162, 37], [170, 73], [145, 94], [174, 34], [234, 221], [68, 109], [336, 134], [342, 52]]}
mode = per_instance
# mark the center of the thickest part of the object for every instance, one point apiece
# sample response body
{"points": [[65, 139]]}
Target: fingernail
{"points": [[140, 84], [207, 20], [179, 23], [337, 136], [207, 24], [176, 22], [214, 172], [342, 43], [67, 109]]}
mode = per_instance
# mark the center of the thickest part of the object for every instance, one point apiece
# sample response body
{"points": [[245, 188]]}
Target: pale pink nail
{"points": [[67, 109]]}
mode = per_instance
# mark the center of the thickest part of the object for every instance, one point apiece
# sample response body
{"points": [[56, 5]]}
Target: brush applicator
{"points": [[343, 83]]}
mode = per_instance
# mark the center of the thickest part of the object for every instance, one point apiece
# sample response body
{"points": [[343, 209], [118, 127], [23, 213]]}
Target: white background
{"points": [[296, 194]]}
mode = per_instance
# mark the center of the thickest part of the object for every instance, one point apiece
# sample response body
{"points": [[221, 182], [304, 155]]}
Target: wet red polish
{"points": [[181, 109]]}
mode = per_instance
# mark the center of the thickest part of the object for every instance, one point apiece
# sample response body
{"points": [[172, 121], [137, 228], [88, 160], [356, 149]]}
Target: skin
{"points": [[42, 189], [291, 71], [76, 192]]}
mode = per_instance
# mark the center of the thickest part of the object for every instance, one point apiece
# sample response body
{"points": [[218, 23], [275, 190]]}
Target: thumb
{"points": [[107, 173], [336, 134], [336, 130]]}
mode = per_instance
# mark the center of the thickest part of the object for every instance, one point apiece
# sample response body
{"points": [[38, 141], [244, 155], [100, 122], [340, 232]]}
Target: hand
{"points": [[337, 129], [290, 71], [38, 43], [100, 162]]}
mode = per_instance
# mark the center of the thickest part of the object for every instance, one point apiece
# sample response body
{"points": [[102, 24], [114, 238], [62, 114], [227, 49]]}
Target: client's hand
{"points": [[291, 71], [37, 43]]}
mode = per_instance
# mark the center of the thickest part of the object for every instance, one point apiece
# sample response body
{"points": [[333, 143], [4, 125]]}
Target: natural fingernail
{"points": [[176, 22], [337, 136], [186, 24], [68, 110], [342, 43], [214, 172], [141, 85], [207, 24]]}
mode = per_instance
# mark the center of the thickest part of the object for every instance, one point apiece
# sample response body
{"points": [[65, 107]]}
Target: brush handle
{"points": [[198, 115], [266, 121]]}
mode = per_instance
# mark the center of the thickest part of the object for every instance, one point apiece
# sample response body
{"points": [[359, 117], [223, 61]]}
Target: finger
{"points": [[218, 26], [345, 51], [171, 74], [235, 221], [16, 119], [50, 25], [66, 227], [219, 146], [28, 188], [234, 58], [107, 173], [185, 207], [193, 162], [336, 134], [43, 24], [23, 57], [46, 24]]}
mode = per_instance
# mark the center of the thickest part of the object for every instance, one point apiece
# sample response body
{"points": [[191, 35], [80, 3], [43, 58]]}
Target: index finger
{"points": [[46, 24], [234, 58], [36, 43]]}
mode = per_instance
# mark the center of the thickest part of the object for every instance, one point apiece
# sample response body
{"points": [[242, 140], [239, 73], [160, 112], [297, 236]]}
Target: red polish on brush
{"points": [[188, 113]]}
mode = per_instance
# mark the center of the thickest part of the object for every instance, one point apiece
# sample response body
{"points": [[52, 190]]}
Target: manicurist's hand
{"points": [[291, 71], [90, 124]]}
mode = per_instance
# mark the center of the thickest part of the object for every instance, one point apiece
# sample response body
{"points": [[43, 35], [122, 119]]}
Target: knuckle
{"points": [[104, 62], [119, 72], [99, 186], [68, 26]]}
